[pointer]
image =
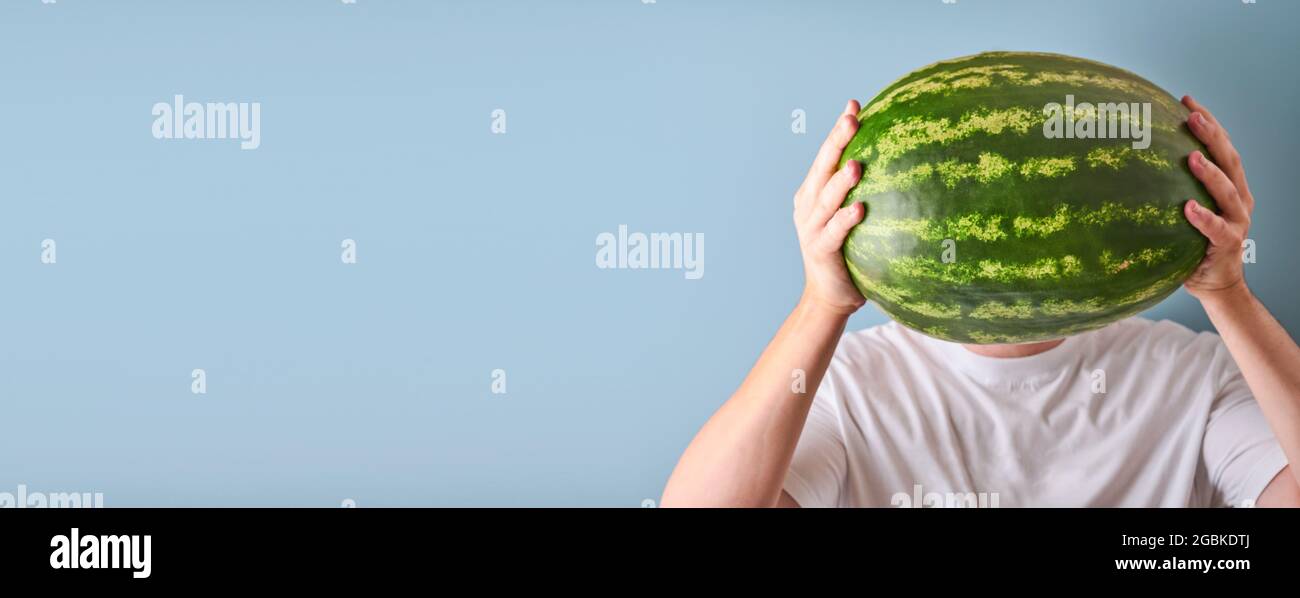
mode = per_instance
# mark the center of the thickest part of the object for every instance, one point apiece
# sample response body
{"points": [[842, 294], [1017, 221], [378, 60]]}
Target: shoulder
{"points": [[1141, 338], [888, 340], [1164, 348], [889, 347], [860, 358]]}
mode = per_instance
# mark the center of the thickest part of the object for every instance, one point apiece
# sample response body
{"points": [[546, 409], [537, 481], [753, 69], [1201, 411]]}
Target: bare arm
{"points": [[1267, 356], [740, 456]]}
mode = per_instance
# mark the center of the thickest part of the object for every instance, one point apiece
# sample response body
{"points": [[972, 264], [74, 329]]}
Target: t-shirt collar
{"points": [[1049, 363]]}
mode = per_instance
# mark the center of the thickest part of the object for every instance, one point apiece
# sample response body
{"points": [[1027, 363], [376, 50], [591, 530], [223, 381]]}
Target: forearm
{"points": [[740, 456], [1269, 361]]}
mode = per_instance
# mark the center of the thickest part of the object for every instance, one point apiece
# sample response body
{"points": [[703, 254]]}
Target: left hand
{"points": [[1220, 273]]}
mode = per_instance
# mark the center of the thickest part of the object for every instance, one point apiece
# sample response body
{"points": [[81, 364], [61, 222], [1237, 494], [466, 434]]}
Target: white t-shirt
{"points": [[902, 419]]}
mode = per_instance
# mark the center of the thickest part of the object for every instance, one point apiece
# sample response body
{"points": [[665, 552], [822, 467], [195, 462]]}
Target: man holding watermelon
{"points": [[1138, 413]]}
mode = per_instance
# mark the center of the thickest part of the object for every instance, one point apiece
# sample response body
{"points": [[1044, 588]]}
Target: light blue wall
{"points": [[476, 251]]}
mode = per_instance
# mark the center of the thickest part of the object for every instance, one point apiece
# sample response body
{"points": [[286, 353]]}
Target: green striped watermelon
{"points": [[980, 228]]}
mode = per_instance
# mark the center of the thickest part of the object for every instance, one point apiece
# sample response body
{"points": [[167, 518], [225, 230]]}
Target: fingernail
{"points": [[1195, 119], [1198, 159], [848, 106]]}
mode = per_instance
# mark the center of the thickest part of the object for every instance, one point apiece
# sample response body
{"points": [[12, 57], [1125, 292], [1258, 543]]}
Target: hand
{"points": [[822, 224], [1220, 273]]}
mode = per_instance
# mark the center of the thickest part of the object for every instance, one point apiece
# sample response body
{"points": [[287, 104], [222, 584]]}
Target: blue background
{"points": [[475, 251]]}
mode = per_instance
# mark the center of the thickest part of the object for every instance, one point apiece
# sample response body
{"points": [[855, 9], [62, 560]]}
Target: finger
{"points": [[840, 224], [1221, 188], [833, 194], [1215, 137], [852, 108], [1224, 152], [828, 157], [1213, 226], [1196, 106]]}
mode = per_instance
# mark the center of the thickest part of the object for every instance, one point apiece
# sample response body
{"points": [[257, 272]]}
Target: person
{"points": [[899, 418]]}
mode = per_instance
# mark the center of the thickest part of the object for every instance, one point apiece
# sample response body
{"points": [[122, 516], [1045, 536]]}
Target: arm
{"points": [[1267, 356], [740, 456]]}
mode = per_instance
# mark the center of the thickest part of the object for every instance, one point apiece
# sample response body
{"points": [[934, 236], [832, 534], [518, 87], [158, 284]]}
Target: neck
{"points": [[1020, 350]]}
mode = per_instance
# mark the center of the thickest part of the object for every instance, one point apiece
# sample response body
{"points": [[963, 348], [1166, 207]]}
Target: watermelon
{"points": [[992, 217]]}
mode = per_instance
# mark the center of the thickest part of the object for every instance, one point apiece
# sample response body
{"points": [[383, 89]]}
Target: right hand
{"points": [[822, 224]]}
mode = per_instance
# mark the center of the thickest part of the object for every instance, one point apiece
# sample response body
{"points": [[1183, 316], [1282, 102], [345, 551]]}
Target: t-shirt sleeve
{"points": [[1240, 453], [817, 471]]}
